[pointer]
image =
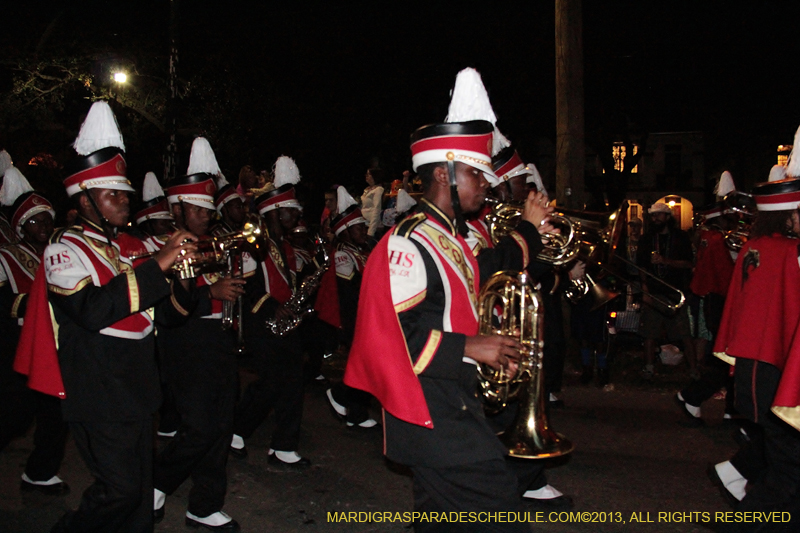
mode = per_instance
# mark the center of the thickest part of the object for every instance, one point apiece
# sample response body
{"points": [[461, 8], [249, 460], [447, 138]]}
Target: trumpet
{"points": [[212, 254]]}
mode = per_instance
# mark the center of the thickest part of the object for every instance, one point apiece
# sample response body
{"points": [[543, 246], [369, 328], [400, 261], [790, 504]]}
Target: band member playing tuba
{"points": [[416, 342]]}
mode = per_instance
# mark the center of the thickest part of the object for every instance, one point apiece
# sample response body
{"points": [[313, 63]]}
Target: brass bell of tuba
{"points": [[508, 305]]}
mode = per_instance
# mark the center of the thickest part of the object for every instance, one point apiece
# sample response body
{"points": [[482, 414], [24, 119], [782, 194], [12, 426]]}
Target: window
{"points": [[618, 151]]}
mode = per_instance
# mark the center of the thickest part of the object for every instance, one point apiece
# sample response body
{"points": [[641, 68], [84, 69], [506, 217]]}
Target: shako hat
{"points": [[282, 194], [197, 187], [508, 164], [101, 154], [349, 212], [780, 195], [154, 201], [18, 195], [225, 193]]}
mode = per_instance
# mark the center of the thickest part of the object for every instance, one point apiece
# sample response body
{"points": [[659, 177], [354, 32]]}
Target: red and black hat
{"points": [[349, 212], [18, 195], [154, 201], [508, 164], [780, 195], [467, 142], [101, 151], [710, 211], [199, 185], [286, 176], [225, 193]]}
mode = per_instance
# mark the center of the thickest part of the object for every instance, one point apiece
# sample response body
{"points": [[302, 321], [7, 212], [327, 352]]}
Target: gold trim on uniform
{"points": [[411, 302], [17, 302], [725, 357], [259, 303], [523, 245], [69, 292], [790, 415], [133, 291], [456, 255], [425, 356], [178, 307]]}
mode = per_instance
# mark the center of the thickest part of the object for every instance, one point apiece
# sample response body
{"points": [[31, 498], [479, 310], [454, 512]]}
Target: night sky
{"points": [[337, 84]]}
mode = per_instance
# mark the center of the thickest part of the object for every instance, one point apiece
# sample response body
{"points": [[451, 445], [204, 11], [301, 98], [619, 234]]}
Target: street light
{"points": [[120, 77]]}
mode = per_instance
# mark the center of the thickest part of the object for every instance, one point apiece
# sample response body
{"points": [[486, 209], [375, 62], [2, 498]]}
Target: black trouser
{"points": [[20, 406], [486, 486], [356, 401], [279, 365], [319, 338], [715, 376], [120, 457], [778, 488], [203, 376], [530, 473]]}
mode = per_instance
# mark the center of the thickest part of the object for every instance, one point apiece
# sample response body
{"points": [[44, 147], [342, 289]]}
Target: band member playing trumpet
{"points": [[105, 341], [200, 364], [416, 343]]}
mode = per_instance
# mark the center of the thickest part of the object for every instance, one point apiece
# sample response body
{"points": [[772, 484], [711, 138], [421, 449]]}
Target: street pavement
{"points": [[634, 458]]}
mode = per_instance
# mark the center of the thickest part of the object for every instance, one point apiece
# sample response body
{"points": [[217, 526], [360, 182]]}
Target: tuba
{"points": [[508, 305]]}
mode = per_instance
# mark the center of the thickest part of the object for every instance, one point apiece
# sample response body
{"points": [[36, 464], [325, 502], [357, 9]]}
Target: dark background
{"points": [[339, 86]]}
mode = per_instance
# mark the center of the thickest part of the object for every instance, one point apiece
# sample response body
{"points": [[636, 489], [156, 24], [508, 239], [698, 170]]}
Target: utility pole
{"points": [[171, 156], [570, 148]]}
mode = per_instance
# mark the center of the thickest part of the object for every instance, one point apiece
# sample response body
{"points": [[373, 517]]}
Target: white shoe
{"points": [[366, 424], [158, 499], [548, 492], [219, 518], [167, 435], [55, 480], [732, 479], [340, 409], [237, 442]]}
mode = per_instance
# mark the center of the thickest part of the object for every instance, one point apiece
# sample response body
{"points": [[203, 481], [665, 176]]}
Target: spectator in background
{"points": [[372, 200], [665, 251]]}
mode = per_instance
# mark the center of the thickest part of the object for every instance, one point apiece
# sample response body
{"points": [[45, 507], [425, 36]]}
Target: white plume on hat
{"points": [[793, 168], [470, 101], [725, 184], [535, 178], [404, 201], [151, 189], [5, 162], [99, 130], [14, 186], [286, 172], [343, 199], [777, 173], [202, 159], [222, 181]]}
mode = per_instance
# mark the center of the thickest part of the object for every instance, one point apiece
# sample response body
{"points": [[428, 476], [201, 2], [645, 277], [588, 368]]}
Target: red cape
{"points": [[714, 266], [327, 302], [37, 355], [379, 362], [761, 320]]}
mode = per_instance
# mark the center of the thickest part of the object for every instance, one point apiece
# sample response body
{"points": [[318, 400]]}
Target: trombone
{"points": [[591, 237]]}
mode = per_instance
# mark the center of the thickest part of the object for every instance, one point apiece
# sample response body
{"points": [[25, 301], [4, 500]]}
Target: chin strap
{"points": [[461, 225], [105, 225]]}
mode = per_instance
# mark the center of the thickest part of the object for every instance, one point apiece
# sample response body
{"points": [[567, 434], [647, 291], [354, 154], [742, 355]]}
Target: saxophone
{"points": [[301, 303]]}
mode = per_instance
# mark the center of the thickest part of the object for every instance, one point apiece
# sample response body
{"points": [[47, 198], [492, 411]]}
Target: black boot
{"points": [[602, 377]]}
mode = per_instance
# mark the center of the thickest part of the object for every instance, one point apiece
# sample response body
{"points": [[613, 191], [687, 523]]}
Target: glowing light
{"points": [[120, 77], [671, 203]]}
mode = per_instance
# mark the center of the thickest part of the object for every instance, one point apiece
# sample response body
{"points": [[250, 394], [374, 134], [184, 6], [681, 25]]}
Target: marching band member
{"points": [[199, 365], [154, 218], [416, 344], [278, 358], [105, 345], [32, 215], [349, 260], [230, 207], [758, 333]]}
